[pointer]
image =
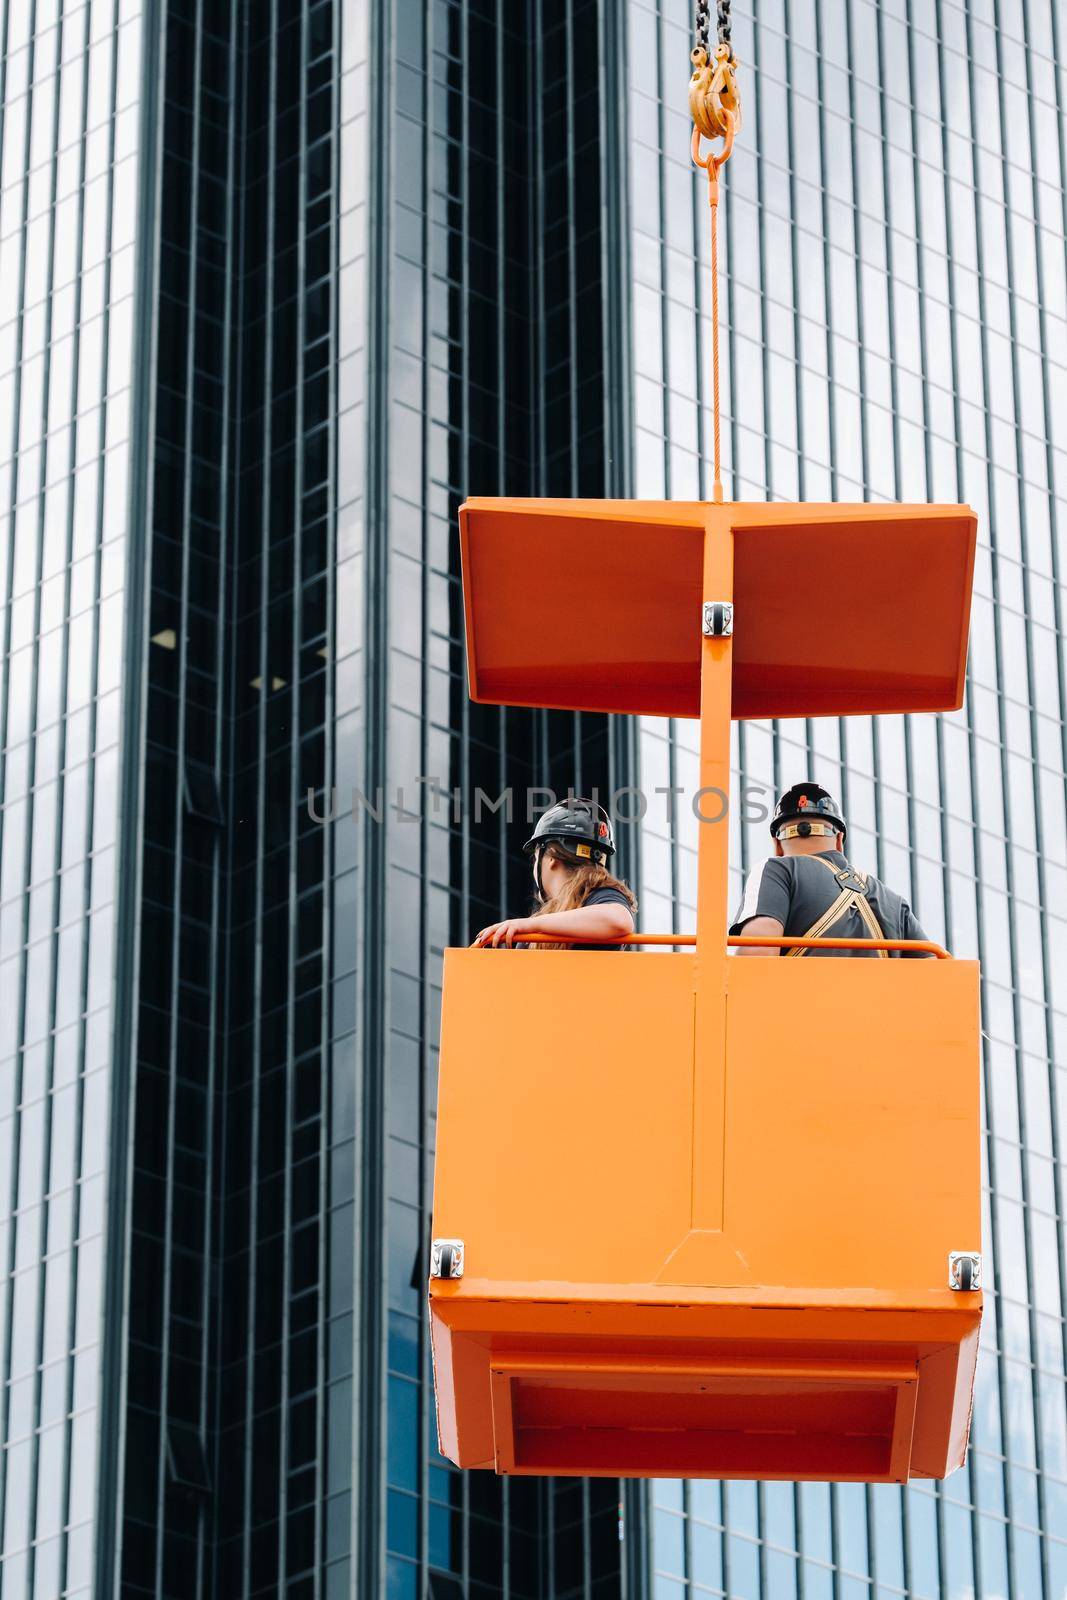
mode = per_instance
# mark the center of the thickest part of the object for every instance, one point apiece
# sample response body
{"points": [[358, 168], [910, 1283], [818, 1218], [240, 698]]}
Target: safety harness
{"points": [[853, 887]]}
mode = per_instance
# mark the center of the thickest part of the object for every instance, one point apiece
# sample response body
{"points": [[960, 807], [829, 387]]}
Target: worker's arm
{"points": [[761, 928], [765, 906], [587, 925], [911, 928]]}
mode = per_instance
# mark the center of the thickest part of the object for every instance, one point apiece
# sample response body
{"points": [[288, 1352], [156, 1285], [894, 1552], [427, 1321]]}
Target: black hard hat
{"points": [[807, 802], [581, 827]]}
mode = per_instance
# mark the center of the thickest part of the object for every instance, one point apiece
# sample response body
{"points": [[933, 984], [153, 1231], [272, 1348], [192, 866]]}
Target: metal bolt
{"points": [[446, 1258], [717, 620], [964, 1270]]}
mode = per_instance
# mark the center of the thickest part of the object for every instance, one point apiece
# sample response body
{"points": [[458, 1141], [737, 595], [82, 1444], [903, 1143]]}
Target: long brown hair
{"points": [[582, 878]]}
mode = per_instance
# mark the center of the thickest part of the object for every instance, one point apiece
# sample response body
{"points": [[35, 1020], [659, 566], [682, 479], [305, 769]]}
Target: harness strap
{"points": [[863, 906], [848, 898], [833, 913]]}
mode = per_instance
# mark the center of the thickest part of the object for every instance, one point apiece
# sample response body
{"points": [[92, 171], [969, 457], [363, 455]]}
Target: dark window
{"points": [[201, 793], [186, 1461]]}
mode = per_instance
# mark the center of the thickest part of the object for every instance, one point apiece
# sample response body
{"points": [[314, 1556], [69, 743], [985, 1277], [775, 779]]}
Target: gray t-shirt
{"points": [[603, 896], [796, 890]]}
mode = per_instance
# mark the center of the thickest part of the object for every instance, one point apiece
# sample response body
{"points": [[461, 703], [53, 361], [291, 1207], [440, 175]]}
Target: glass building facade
{"points": [[282, 282], [70, 220], [895, 299]]}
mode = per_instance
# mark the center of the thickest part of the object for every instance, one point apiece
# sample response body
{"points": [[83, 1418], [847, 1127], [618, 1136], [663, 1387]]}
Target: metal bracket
{"points": [[446, 1258], [964, 1270], [717, 619]]}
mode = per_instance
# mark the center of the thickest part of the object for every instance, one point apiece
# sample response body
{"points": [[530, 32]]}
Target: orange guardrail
{"points": [[925, 946]]}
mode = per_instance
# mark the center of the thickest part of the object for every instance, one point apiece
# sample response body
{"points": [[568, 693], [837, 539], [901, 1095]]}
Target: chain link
{"points": [[703, 24], [723, 17]]}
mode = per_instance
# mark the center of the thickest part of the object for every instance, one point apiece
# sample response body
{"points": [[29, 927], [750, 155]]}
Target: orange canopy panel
{"points": [[696, 1261], [838, 608]]}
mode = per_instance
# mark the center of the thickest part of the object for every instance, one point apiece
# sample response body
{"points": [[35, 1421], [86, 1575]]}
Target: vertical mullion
{"points": [[295, 681], [616, 266], [214, 1238], [687, 1543], [463, 362], [27, 844], [72, 450], [329, 861], [177, 933], [916, 167], [532, 152], [238, 81], [664, 302], [761, 246], [540, 364], [890, 275], [824, 192], [231, 655], [798, 1500], [856, 238], [572, 243], [728, 204], [795, 267], [550, 1533], [329, 858], [369, 1500], [261, 797]]}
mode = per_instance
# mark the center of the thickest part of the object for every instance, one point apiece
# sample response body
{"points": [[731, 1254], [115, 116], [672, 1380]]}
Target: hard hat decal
{"points": [[582, 850]]}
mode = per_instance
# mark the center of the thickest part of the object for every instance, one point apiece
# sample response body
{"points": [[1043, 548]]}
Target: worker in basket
{"points": [[809, 889], [575, 893]]}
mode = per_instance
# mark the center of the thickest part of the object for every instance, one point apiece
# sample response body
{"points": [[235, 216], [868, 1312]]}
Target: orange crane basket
{"points": [[708, 1233]]}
